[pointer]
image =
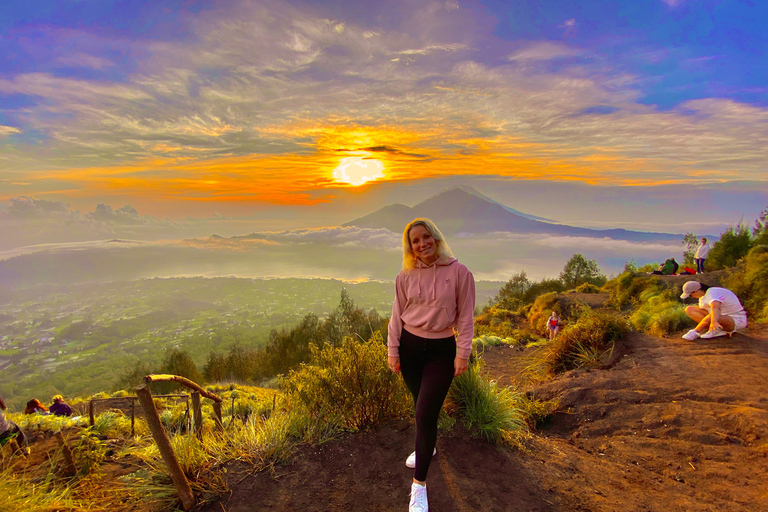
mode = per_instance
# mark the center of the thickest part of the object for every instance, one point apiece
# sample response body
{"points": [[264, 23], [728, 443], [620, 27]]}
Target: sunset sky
{"points": [[201, 108]]}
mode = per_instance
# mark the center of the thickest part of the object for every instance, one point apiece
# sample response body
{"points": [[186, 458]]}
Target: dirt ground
{"points": [[668, 425]]}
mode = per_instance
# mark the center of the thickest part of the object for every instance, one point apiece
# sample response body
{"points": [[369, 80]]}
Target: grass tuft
{"points": [[485, 408]]}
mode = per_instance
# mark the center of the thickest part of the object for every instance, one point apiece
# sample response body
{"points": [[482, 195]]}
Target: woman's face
{"points": [[423, 245]]}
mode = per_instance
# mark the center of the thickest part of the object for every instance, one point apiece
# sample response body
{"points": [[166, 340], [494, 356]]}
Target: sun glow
{"points": [[357, 170]]}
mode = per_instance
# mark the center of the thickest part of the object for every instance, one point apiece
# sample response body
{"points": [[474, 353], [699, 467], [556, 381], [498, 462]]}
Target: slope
{"points": [[668, 426]]}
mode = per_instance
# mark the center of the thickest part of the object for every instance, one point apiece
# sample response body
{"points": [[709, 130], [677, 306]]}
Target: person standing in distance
{"points": [[433, 294], [701, 254]]}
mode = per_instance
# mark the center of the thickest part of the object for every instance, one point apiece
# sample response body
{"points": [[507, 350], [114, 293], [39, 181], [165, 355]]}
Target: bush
{"points": [[625, 289], [535, 411], [594, 331], [733, 245], [749, 281], [496, 321], [541, 309], [587, 288], [492, 412], [352, 382], [659, 312]]}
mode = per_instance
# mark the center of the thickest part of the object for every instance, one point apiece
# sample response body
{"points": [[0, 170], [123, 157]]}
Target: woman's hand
{"points": [[460, 366], [394, 363]]}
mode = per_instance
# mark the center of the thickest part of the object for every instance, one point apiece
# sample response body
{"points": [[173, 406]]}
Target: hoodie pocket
{"points": [[430, 318]]}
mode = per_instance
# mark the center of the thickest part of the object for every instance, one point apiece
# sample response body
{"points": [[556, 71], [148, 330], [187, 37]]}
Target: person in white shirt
{"points": [[719, 311], [701, 254]]}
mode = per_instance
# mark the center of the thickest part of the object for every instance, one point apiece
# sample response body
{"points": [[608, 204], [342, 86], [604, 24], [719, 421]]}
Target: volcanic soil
{"points": [[666, 425]]}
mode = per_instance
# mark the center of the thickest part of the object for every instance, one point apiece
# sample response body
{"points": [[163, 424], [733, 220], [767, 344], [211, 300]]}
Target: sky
{"points": [[184, 118]]}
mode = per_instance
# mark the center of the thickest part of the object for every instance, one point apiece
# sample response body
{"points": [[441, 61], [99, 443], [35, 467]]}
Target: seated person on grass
{"points": [[719, 311], [59, 407], [9, 430], [35, 407]]}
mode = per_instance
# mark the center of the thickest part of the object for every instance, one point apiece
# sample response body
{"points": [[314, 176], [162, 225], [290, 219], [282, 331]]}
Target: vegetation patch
{"points": [[491, 411], [749, 280], [589, 338]]}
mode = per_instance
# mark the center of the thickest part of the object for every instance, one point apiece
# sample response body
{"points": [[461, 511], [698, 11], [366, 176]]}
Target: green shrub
{"points": [[733, 245], [112, 424], [587, 288], [593, 330], [175, 419], [659, 312], [497, 321], [541, 309], [625, 289], [352, 381], [485, 408], [89, 451], [491, 341], [535, 411], [749, 281]]}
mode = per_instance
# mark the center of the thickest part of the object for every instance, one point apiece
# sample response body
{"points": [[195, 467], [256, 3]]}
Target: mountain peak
{"points": [[462, 209]]}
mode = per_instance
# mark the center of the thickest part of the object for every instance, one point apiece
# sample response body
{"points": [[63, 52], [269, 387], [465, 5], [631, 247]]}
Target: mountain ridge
{"points": [[457, 210]]}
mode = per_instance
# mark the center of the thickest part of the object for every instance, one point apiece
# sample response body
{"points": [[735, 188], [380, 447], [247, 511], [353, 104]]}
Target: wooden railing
{"points": [[161, 436]]}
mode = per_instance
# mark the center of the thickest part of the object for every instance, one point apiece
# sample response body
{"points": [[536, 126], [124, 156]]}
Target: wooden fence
{"points": [[160, 435]]}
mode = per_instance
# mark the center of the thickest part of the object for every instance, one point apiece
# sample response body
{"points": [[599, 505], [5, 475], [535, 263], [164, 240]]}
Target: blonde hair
{"points": [[58, 398], [442, 250]]}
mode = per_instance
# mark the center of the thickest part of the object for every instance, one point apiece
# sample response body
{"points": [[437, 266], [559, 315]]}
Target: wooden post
{"points": [[90, 412], [166, 450], [69, 460], [217, 416], [198, 412]]}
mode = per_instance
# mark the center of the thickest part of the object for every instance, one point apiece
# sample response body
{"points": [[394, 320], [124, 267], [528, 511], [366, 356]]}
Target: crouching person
{"points": [[719, 312]]}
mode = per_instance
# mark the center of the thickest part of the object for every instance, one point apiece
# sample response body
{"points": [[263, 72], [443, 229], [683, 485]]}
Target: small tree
{"points": [[580, 270], [215, 369], [179, 362], [513, 293], [760, 231], [733, 245], [691, 242]]}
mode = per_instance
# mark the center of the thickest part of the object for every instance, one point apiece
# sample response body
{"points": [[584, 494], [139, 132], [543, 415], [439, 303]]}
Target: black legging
{"points": [[427, 368]]}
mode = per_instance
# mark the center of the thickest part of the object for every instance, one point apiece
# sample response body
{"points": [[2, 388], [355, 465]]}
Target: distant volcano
{"points": [[465, 210]]}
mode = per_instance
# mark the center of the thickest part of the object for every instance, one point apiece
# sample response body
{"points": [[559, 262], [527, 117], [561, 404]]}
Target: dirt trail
{"points": [[670, 426]]}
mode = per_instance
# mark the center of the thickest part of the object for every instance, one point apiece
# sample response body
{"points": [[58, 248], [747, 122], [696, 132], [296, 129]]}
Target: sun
{"points": [[357, 170]]}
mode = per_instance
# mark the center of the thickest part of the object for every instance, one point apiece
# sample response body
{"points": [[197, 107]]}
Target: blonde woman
{"points": [[434, 294]]}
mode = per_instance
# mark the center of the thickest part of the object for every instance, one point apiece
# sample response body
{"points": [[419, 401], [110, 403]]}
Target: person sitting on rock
{"points": [[719, 311], [59, 407], [35, 407]]}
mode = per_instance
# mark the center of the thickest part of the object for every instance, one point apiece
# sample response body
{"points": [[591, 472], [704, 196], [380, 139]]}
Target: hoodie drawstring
{"points": [[434, 280]]}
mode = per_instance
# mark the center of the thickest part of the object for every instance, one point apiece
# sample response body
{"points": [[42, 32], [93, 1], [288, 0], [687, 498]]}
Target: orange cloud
{"points": [[406, 152]]}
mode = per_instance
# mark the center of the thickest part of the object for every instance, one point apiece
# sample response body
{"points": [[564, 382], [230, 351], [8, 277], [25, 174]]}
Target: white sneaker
{"points": [[691, 335], [418, 498], [713, 334], [411, 460]]}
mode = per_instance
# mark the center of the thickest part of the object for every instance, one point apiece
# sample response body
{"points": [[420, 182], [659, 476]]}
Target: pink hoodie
{"points": [[430, 301]]}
